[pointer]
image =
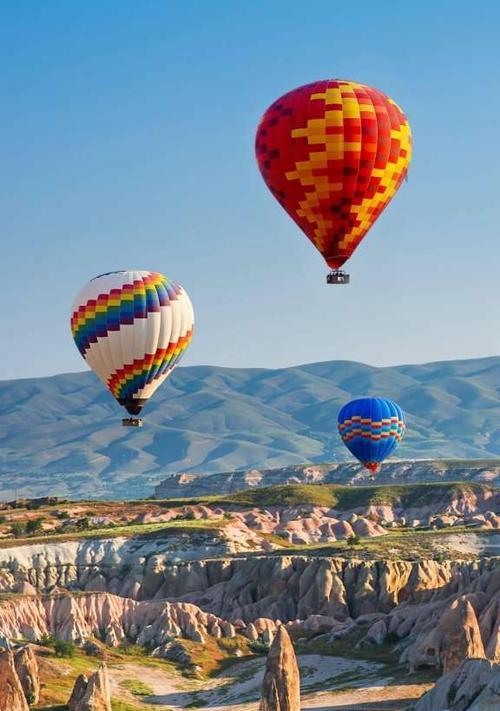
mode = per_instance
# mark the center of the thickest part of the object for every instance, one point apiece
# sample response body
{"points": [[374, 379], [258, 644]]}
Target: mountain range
{"points": [[62, 435]]}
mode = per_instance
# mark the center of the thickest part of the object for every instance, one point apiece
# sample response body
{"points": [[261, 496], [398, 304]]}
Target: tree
{"points": [[64, 649], [18, 529], [34, 525]]}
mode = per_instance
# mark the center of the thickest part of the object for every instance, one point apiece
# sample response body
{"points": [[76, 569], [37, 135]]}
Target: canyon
{"points": [[372, 585]]}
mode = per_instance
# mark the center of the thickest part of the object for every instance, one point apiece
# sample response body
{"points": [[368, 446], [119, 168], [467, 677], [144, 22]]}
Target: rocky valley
{"points": [[377, 587]]}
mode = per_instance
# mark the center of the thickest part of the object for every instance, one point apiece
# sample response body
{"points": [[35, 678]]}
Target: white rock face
{"points": [[118, 565]]}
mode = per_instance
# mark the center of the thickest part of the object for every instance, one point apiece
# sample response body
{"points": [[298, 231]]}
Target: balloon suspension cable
{"points": [[132, 422], [337, 276]]}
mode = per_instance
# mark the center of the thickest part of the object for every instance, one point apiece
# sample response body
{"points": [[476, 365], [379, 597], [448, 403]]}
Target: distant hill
{"points": [[62, 435], [393, 472]]}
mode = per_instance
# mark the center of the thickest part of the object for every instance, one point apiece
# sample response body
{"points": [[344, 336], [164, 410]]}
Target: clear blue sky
{"points": [[127, 133]]}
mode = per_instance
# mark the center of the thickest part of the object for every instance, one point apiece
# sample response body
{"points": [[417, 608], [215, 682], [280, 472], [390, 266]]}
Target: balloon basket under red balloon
{"points": [[132, 422], [338, 277]]}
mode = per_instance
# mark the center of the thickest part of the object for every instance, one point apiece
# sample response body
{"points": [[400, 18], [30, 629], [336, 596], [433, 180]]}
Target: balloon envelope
{"points": [[371, 429], [333, 153], [132, 327]]}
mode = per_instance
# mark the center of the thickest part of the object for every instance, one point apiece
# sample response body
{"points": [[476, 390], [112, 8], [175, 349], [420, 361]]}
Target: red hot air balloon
{"points": [[334, 153]]}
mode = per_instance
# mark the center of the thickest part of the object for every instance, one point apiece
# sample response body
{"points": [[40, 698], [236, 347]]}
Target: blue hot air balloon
{"points": [[371, 428]]}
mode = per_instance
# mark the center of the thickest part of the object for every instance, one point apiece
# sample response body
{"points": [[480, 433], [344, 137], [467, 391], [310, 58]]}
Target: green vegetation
{"points": [[138, 688], [410, 544], [34, 525], [47, 640], [149, 530], [18, 529], [26, 528], [258, 646], [353, 541], [347, 497], [117, 705], [286, 495], [398, 544], [64, 649]]}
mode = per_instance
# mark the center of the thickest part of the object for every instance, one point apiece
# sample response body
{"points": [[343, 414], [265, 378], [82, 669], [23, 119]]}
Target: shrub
{"points": [[353, 541], [47, 640], [18, 529], [64, 649], [258, 646], [34, 525]]}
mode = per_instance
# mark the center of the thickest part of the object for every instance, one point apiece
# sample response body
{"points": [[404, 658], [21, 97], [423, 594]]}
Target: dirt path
{"points": [[238, 688], [373, 698]]}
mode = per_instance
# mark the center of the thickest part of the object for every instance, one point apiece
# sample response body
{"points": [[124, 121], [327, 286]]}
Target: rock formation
{"points": [[460, 635], [78, 692], [145, 571], [11, 692], [26, 665], [92, 694], [448, 634], [450, 626], [135, 568], [281, 685], [473, 686], [109, 618], [212, 598], [178, 486]]}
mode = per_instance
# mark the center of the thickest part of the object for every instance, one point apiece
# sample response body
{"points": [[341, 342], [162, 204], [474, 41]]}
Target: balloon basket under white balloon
{"points": [[132, 422], [338, 277]]}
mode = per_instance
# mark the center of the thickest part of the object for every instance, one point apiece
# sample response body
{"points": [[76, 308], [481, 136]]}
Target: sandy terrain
{"points": [[372, 698], [471, 543], [238, 688]]}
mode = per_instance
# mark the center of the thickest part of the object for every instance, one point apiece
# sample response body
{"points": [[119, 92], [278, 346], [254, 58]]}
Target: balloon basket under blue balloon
{"points": [[132, 422], [338, 277]]}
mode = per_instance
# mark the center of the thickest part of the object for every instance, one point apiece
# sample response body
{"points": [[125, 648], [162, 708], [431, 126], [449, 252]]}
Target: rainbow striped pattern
{"points": [[371, 428], [121, 306], [132, 378], [334, 153], [132, 327]]}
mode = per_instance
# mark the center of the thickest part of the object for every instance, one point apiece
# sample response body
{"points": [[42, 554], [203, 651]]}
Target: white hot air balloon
{"points": [[132, 328]]}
